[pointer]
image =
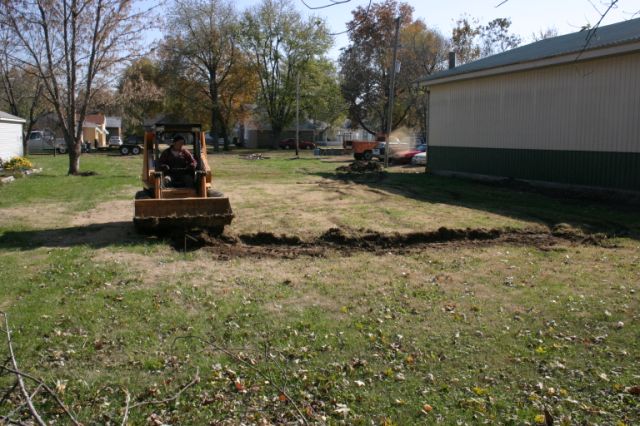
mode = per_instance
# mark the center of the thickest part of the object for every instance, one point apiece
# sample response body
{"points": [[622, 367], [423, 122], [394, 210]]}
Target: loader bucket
{"points": [[178, 214]]}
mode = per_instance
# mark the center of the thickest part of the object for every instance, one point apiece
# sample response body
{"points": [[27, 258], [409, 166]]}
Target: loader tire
{"points": [[212, 193], [215, 231], [367, 156], [143, 195]]}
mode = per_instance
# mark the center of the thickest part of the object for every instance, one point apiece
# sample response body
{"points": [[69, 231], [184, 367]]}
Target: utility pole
{"points": [[387, 147], [297, 113]]}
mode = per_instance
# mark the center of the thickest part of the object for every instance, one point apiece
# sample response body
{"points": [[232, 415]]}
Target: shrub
{"points": [[18, 163]]}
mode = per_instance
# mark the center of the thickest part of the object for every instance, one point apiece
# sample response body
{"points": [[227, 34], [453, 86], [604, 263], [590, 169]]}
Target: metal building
{"points": [[564, 110]]}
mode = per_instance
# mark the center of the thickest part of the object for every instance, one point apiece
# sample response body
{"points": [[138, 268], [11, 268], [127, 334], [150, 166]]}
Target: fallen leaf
{"points": [[342, 409], [479, 391], [61, 386], [634, 390]]}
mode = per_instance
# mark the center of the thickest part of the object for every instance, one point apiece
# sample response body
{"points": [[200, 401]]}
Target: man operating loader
{"points": [[178, 164]]}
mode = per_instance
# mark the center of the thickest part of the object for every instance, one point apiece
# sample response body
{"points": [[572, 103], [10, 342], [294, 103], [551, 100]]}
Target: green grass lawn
{"points": [[487, 333]]}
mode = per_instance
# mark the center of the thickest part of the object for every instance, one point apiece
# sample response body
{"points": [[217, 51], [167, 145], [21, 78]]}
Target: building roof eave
{"points": [[538, 63]]}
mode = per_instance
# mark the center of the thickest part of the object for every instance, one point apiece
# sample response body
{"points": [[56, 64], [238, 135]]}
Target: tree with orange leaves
{"points": [[366, 65]]}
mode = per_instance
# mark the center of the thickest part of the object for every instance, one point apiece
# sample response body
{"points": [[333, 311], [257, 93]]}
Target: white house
{"points": [[10, 136]]}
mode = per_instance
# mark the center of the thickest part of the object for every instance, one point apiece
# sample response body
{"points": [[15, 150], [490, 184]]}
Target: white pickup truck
{"points": [[44, 142]]}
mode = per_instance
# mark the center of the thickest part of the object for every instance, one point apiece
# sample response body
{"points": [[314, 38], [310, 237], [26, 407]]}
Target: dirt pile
{"points": [[345, 241], [377, 240], [570, 233], [267, 238], [259, 245], [361, 167]]}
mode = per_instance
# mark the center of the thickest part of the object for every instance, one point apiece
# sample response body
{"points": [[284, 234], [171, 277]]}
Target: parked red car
{"points": [[291, 144], [404, 157]]}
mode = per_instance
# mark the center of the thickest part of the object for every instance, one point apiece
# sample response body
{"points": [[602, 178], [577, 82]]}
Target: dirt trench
{"points": [[346, 242]]}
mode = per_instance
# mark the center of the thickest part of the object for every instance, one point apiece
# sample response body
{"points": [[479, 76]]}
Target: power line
{"points": [[324, 6], [337, 3]]}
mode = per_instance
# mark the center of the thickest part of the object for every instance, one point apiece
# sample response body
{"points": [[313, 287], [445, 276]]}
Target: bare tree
{"points": [[544, 34], [472, 41], [73, 46], [20, 89], [495, 37]]}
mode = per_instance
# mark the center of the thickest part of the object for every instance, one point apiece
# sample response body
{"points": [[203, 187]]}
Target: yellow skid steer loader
{"points": [[178, 199]]}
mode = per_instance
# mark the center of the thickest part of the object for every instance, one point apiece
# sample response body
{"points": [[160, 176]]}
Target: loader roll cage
{"points": [[160, 134], [190, 132]]}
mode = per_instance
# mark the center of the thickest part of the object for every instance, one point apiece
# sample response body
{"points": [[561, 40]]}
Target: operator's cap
{"points": [[177, 138]]}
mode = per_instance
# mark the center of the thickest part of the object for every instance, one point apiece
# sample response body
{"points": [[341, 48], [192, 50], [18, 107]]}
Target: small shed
{"points": [[10, 136], [562, 110]]}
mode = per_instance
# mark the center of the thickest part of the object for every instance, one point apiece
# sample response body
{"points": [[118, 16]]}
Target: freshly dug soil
{"points": [[266, 244], [361, 167]]}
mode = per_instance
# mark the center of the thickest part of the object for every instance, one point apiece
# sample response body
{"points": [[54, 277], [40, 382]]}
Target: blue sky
{"points": [[528, 16]]}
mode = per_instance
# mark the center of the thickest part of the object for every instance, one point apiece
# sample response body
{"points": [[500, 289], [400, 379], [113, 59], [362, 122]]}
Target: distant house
{"points": [[113, 126], [560, 110], [94, 129], [253, 133], [10, 136], [263, 137]]}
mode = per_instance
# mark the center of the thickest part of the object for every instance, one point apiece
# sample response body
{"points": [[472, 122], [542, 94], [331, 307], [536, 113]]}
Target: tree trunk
{"points": [[276, 131], [224, 134], [25, 141], [214, 130], [74, 156]]}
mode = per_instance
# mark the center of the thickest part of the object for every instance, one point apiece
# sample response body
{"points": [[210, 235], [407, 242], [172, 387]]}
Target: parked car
{"points": [[291, 144], [401, 154], [115, 142], [44, 142], [395, 146], [419, 159]]}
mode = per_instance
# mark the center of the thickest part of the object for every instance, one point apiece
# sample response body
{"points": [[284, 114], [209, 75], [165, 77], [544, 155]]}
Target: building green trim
{"points": [[620, 170]]}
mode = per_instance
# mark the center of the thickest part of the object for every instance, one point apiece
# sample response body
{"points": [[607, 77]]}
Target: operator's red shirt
{"points": [[177, 159]]}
